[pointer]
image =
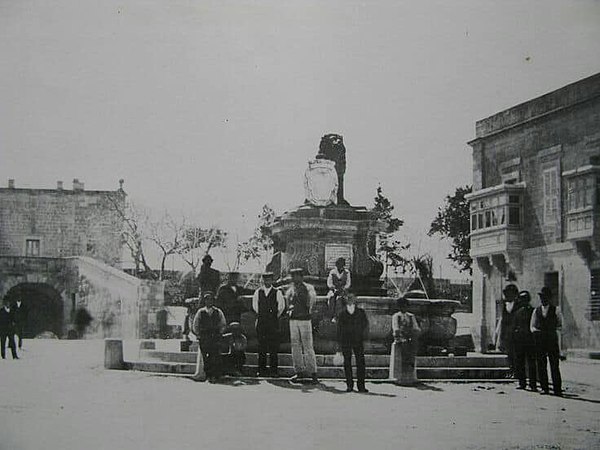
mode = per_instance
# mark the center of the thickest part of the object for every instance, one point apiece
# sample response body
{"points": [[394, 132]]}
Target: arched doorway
{"points": [[44, 305]]}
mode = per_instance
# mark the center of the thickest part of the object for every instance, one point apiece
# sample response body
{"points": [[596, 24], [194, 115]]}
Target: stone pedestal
{"points": [[113, 354], [313, 237], [403, 367]]}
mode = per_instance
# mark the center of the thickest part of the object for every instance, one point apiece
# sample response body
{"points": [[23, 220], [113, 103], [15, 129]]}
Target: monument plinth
{"points": [[314, 238]]}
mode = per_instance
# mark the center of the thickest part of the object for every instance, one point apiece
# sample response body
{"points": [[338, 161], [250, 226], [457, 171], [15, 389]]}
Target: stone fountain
{"points": [[314, 235]]}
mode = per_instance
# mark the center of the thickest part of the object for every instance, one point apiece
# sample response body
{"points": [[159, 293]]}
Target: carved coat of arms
{"points": [[321, 182]]}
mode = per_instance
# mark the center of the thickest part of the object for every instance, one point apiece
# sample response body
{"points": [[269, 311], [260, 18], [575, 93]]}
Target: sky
{"points": [[213, 108]]}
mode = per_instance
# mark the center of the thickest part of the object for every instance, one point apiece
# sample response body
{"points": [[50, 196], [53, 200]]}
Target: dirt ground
{"points": [[58, 396]]}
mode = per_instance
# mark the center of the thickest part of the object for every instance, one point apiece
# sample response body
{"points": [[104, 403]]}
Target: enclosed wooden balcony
{"points": [[583, 202], [497, 225]]}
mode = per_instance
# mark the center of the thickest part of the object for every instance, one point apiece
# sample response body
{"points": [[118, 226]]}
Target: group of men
{"points": [[531, 338], [13, 317], [273, 308]]}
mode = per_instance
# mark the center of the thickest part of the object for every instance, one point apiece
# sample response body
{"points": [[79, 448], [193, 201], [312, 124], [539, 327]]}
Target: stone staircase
{"points": [[474, 367]]}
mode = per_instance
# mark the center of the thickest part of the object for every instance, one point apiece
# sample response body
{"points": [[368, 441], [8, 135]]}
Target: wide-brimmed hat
{"points": [[208, 294], [524, 296], [511, 288], [545, 292], [402, 301], [207, 257]]}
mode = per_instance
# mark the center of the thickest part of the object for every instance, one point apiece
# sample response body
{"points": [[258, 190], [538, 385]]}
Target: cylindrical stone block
{"points": [[113, 354], [147, 345]]}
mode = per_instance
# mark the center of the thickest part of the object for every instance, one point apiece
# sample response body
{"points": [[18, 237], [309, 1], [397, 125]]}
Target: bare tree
{"points": [[198, 241], [167, 234], [135, 221]]}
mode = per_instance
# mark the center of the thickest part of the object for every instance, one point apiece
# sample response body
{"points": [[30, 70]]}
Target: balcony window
{"points": [[494, 210], [583, 198], [581, 192]]}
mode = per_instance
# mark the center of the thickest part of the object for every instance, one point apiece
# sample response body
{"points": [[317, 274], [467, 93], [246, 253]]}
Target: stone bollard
{"points": [[199, 374], [403, 368], [113, 354]]}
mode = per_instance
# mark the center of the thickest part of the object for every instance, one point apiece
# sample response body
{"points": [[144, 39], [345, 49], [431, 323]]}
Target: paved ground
{"points": [[58, 396]]}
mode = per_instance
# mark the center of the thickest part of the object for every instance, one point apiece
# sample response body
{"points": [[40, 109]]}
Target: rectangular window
{"points": [[32, 247], [514, 215], [550, 178]]}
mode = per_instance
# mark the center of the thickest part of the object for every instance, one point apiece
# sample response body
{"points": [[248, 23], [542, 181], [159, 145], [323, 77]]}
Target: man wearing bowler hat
{"points": [[209, 279], [300, 298], [268, 304], [209, 325], [546, 323]]}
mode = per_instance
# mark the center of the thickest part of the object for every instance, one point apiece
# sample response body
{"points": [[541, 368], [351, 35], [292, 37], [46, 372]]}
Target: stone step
{"points": [[285, 359], [336, 372]]}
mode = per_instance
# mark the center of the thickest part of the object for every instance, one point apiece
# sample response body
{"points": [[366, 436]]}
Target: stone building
{"points": [[535, 208], [60, 252], [58, 222]]}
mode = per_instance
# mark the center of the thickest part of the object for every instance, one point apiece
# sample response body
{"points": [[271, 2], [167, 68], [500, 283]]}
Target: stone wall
{"points": [[118, 303], [66, 222]]}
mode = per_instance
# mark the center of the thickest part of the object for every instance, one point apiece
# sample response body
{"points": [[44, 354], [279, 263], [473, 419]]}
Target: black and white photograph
{"points": [[301, 225]]}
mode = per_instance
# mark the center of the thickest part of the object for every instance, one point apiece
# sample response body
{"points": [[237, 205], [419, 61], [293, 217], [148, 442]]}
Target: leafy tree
{"points": [[389, 248], [259, 246], [452, 222], [383, 209]]}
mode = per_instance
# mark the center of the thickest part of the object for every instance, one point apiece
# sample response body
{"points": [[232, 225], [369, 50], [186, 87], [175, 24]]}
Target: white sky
{"points": [[215, 107]]}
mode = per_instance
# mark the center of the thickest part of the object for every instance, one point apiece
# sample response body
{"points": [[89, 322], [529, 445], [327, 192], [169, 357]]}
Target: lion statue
{"points": [[332, 148]]}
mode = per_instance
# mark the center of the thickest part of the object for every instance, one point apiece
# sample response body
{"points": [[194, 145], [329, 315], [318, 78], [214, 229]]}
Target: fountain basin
{"points": [[438, 327]]}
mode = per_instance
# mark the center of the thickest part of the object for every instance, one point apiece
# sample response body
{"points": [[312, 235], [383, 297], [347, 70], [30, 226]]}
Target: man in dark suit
{"points": [[523, 343], [546, 325], [209, 279], [352, 330], [7, 330], [20, 312], [229, 299]]}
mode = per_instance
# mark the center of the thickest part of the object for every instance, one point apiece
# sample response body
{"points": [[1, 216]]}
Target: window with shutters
{"points": [[32, 247], [594, 307], [551, 193]]}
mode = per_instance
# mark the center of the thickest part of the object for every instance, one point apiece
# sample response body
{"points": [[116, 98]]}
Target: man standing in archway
{"points": [[7, 330], [20, 313]]}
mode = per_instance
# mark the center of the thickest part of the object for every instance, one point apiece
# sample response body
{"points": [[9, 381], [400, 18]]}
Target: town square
{"points": [[305, 225]]}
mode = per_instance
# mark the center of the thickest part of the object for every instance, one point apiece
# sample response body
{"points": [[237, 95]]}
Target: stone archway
{"points": [[45, 307]]}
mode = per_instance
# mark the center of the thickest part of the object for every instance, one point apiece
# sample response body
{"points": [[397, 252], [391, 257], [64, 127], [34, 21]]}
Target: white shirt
{"points": [[339, 274], [267, 291]]}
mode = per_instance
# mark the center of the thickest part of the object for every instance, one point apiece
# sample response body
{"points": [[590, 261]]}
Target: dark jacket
{"points": [[7, 321], [20, 313], [521, 320], [229, 301], [209, 279], [352, 328]]}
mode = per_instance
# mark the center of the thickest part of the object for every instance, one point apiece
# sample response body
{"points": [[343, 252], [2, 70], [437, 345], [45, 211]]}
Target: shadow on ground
{"points": [[309, 387]]}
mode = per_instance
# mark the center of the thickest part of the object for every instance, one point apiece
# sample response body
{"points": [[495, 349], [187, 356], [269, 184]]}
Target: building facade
{"points": [[535, 209], [57, 223], [60, 253]]}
